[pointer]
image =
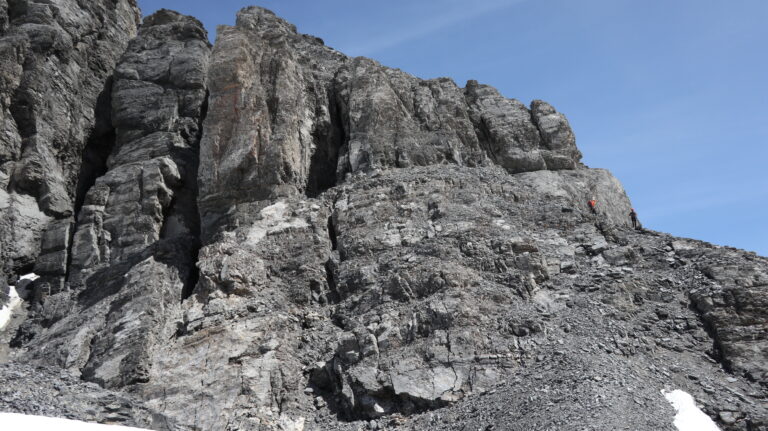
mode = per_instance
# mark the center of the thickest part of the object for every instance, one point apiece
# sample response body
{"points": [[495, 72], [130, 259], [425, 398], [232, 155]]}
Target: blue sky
{"points": [[670, 95]]}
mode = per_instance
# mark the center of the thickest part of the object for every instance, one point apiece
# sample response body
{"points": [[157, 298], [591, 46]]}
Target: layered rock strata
{"points": [[283, 237], [57, 59], [136, 239], [290, 115]]}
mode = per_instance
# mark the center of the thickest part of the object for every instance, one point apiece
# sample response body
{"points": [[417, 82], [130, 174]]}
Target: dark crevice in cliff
{"points": [[535, 121], [482, 131], [717, 350], [484, 138], [180, 248], [16, 9], [70, 244], [180, 240], [328, 140], [21, 109], [194, 275], [22, 112], [330, 279], [179, 243], [194, 216], [93, 164], [98, 148], [332, 233], [331, 265]]}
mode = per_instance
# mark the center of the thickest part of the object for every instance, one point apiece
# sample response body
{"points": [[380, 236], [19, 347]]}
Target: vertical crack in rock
{"points": [[57, 58], [484, 136], [330, 278], [331, 265], [137, 236], [332, 233], [192, 216], [159, 108], [22, 114], [100, 145], [329, 138], [16, 8]]}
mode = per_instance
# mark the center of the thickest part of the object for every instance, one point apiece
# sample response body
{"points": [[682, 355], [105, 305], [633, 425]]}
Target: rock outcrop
{"points": [[269, 234], [57, 60], [135, 242], [292, 116], [44, 392], [734, 306]]}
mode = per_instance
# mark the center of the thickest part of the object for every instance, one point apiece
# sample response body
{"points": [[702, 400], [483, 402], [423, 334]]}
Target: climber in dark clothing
{"points": [[592, 203], [633, 216]]}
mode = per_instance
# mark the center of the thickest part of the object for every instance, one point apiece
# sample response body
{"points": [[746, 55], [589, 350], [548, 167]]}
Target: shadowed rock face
{"points": [[277, 236], [136, 237], [149, 191], [57, 58]]}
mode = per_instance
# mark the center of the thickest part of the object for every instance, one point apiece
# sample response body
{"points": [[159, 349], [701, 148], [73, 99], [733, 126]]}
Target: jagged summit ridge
{"points": [[317, 115], [269, 234]]}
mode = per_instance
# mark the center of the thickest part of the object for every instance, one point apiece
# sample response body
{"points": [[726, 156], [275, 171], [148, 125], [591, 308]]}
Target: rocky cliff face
{"points": [[135, 241], [58, 57], [271, 235], [292, 116]]}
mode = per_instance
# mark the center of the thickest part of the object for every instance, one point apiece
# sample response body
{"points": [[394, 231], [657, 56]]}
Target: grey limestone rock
{"points": [[289, 115], [3, 16], [735, 305], [50, 392], [58, 57], [52, 263], [558, 142], [135, 241], [147, 195], [281, 237]]}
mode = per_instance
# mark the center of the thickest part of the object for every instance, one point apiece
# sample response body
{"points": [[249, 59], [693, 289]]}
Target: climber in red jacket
{"points": [[592, 203]]}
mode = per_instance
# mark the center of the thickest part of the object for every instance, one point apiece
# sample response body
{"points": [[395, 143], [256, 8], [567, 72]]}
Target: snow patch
{"points": [[689, 417], [7, 311], [273, 219], [31, 276], [15, 301], [15, 421]]}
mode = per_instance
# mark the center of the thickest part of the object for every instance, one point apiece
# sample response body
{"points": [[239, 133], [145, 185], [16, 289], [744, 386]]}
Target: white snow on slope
{"points": [[31, 276], [7, 311], [689, 417], [15, 421]]}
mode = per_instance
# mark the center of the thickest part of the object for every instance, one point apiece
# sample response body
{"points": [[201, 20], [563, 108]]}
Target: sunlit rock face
{"points": [[270, 235], [289, 115]]}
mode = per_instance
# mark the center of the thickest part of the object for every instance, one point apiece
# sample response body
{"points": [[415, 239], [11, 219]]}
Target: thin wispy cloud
{"points": [[453, 14]]}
